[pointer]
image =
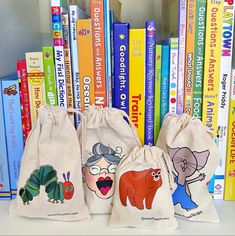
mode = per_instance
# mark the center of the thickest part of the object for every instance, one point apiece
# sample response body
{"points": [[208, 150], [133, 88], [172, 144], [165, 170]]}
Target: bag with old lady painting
{"points": [[195, 157], [106, 138]]}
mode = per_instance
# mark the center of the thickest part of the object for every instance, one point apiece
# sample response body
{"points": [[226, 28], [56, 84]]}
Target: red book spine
{"points": [[24, 98], [97, 16]]}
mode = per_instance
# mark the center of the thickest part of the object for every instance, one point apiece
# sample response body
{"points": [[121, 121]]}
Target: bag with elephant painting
{"points": [[50, 181], [195, 157], [106, 139], [143, 192]]}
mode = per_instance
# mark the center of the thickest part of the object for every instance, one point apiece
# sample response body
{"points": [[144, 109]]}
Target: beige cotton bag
{"points": [[143, 193], [50, 181], [195, 157], [106, 139]]}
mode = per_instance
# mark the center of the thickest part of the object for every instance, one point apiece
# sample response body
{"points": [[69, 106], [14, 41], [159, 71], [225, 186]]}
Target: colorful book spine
{"points": [[121, 66], [67, 60], [108, 53], [199, 57], [229, 191], [24, 98], [136, 81], [57, 30], [111, 15], [151, 37], [181, 67], [189, 57], [217, 183], [165, 81], [98, 30], [13, 128], [5, 188], [36, 82], [85, 58], [49, 73], [213, 45], [157, 92], [174, 43]]}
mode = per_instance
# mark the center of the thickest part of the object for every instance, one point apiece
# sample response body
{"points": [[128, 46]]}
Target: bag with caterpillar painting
{"points": [[106, 139], [50, 181], [143, 193], [195, 157]]}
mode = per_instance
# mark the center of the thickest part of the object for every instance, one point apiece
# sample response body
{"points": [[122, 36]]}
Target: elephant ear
{"points": [[172, 151]]}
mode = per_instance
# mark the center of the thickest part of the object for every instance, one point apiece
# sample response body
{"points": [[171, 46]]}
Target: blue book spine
{"points": [[13, 128], [149, 81], [5, 188], [111, 16], [165, 81], [108, 53], [121, 66]]}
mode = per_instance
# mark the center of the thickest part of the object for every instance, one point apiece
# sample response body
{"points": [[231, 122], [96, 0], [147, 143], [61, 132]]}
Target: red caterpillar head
{"points": [[68, 188]]}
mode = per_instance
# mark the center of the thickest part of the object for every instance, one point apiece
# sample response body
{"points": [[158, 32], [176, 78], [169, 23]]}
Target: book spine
{"points": [[67, 61], [199, 57], [74, 16], [165, 81], [85, 58], [229, 190], [151, 37], [224, 95], [13, 128], [174, 43], [121, 68], [98, 29], [111, 15], [57, 30], [49, 73], [136, 75], [5, 188], [36, 82], [212, 64], [108, 53], [182, 41], [189, 57], [24, 98]]}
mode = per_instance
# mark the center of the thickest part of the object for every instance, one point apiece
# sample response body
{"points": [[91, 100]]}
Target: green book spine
{"points": [[49, 73], [157, 98], [199, 57]]}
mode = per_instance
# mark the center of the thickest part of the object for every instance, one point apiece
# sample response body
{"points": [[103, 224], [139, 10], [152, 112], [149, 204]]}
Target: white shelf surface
{"points": [[14, 225]]}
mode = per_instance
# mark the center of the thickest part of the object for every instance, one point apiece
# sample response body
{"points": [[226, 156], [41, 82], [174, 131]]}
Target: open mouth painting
{"points": [[104, 185]]}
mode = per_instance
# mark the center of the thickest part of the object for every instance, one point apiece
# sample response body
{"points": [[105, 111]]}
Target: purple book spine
{"points": [[181, 65], [121, 66], [149, 81]]}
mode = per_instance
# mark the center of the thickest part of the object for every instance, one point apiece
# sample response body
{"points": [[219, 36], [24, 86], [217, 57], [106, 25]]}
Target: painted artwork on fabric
{"points": [[100, 170], [47, 176], [140, 187], [186, 163]]}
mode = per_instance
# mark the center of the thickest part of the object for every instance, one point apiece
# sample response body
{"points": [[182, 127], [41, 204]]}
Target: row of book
{"points": [[96, 61]]}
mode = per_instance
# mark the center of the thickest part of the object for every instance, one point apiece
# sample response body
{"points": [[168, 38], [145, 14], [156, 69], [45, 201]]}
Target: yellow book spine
{"points": [[229, 193], [189, 56], [212, 64], [136, 79], [85, 58], [36, 83]]}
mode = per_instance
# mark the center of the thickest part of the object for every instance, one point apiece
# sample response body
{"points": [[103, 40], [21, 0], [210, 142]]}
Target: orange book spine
{"points": [[85, 58], [97, 16]]}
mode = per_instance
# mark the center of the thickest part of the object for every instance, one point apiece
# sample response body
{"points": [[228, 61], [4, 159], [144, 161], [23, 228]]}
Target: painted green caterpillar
{"points": [[47, 176]]}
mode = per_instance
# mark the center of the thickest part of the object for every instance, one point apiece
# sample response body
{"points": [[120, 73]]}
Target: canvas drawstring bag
{"points": [[106, 139], [195, 157], [50, 181], [143, 193]]}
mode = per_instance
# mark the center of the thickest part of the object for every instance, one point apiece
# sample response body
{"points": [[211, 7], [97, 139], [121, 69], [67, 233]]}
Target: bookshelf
{"points": [[26, 28]]}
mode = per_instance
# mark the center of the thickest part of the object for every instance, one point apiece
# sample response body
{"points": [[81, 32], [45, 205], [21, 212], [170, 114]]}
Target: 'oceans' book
{"points": [[5, 188], [121, 66], [151, 37], [13, 129], [136, 78]]}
